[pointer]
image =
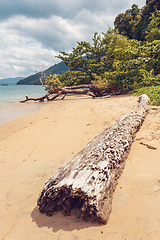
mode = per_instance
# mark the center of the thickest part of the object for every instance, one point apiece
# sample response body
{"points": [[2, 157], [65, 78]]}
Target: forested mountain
{"points": [[134, 22], [34, 79]]}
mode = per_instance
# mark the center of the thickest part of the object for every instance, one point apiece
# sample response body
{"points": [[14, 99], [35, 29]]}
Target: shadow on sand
{"points": [[58, 222]]}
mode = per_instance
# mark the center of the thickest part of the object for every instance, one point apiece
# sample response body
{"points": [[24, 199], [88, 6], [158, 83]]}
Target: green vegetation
{"points": [[153, 93], [134, 22], [86, 59], [120, 61], [144, 25], [53, 81], [153, 28], [113, 62]]}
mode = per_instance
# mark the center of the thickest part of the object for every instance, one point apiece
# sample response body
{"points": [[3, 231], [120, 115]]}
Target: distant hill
{"points": [[10, 81], [58, 68]]}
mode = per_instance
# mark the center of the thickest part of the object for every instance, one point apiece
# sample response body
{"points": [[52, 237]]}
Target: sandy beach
{"points": [[33, 147]]}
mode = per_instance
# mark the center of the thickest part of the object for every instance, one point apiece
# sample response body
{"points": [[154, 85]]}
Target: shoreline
{"points": [[10, 96], [11, 111], [34, 146]]}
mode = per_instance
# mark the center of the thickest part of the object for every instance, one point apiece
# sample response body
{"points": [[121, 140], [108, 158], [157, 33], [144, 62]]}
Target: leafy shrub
{"points": [[53, 81], [153, 93]]}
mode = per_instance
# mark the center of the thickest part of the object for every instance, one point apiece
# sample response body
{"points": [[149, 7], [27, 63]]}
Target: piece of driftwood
{"points": [[148, 146], [84, 186], [88, 89]]}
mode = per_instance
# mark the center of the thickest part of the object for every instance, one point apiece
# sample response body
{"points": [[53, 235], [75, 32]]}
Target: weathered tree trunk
{"points": [[84, 186]]}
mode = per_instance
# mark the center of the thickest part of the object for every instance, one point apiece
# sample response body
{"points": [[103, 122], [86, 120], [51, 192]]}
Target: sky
{"points": [[33, 32]]}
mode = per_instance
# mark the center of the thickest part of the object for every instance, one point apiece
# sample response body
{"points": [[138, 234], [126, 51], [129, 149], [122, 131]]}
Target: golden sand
{"points": [[34, 146]]}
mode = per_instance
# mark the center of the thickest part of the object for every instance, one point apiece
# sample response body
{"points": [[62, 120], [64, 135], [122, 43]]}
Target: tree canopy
{"points": [[86, 59], [113, 63], [134, 22], [153, 28], [119, 61]]}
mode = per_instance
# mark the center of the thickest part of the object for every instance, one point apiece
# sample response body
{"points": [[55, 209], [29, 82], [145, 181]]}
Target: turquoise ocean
{"points": [[10, 96]]}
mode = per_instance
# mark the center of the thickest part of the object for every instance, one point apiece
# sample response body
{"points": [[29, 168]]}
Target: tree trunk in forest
{"points": [[84, 186]]}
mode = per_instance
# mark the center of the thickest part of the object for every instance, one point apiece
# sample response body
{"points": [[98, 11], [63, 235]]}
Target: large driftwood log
{"points": [[84, 185]]}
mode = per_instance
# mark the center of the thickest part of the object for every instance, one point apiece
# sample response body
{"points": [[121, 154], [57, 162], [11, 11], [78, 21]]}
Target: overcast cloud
{"points": [[33, 32]]}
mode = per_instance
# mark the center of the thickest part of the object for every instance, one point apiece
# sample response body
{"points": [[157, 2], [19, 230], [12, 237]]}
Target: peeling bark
{"points": [[84, 186]]}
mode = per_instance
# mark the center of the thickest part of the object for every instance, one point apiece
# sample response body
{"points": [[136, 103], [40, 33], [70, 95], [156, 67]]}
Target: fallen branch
{"points": [[89, 89], [84, 186], [40, 99]]}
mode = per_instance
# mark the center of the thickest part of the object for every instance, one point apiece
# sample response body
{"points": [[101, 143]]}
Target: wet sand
{"points": [[12, 111], [34, 146]]}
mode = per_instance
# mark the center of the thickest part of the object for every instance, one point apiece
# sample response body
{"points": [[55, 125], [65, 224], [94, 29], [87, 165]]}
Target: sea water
{"points": [[10, 96]]}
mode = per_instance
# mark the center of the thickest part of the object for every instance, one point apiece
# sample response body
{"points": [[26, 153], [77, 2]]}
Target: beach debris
{"points": [[148, 145], [84, 186], [85, 89]]}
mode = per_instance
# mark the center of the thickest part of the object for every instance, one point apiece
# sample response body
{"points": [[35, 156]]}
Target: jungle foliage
{"points": [[134, 23], [113, 62], [120, 60]]}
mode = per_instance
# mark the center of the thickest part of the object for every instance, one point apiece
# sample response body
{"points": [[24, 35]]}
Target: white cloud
{"points": [[21, 55], [32, 33]]}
